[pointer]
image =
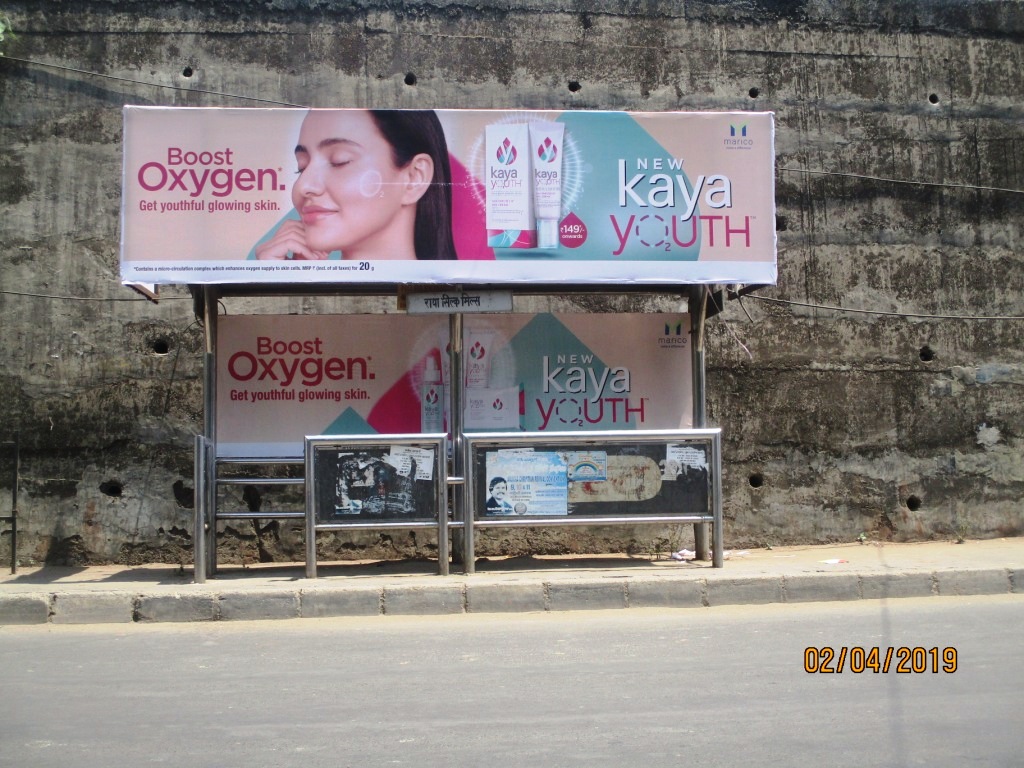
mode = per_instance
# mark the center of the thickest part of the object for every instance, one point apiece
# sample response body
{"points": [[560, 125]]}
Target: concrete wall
{"points": [[836, 423]]}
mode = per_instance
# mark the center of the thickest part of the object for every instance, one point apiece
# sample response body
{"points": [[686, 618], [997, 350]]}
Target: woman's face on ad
{"points": [[349, 193]]}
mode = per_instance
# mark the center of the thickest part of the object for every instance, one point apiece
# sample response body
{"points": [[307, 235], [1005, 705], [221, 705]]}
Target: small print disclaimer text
{"points": [[903, 660]]}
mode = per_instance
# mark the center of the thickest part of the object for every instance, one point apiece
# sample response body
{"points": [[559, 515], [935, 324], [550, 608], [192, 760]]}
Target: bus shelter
{"points": [[454, 409]]}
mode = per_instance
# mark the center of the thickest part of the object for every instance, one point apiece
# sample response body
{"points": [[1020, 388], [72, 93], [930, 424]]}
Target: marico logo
{"points": [[507, 153], [738, 138], [477, 351], [432, 396], [674, 337], [547, 151]]}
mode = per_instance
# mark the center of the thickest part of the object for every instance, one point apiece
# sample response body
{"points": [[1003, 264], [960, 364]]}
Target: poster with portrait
{"points": [[349, 196], [525, 482]]}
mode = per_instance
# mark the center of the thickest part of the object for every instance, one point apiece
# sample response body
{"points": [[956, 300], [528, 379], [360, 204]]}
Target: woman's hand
{"points": [[290, 237]]}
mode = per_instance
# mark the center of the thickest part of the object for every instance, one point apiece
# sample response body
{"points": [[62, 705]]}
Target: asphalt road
{"points": [[714, 687]]}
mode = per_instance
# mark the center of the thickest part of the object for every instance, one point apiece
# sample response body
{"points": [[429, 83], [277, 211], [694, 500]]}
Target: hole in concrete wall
{"points": [[160, 346], [574, 86], [410, 78], [754, 92], [586, 22], [252, 498], [781, 224], [183, 495], [927, 354], [756, 480], [933, 98], [913, 503], [187, 72], [111, 488]]}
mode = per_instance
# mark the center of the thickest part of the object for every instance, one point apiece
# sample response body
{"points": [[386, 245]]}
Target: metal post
{"points": [[462, 496], [310, 458], [441, 502], [717, 544], [698, 311], [16, 474], [199, 524], [210, 423]]}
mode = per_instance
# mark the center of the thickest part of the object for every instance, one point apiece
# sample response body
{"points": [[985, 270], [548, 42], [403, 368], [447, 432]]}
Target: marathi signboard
{"points": [[446, 197]]}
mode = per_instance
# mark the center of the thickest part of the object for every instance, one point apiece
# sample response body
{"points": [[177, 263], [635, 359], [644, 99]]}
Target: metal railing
{"points": [[707, 511], [208, 480], [712, 513]]}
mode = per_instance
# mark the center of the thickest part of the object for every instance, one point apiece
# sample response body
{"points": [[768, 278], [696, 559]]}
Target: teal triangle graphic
{"points": [[569, 362], [654, 234], [349, 423]]}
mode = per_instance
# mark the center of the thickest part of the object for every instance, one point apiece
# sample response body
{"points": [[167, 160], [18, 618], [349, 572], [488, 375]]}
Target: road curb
{"points": [[92, 608], [200, 602]]}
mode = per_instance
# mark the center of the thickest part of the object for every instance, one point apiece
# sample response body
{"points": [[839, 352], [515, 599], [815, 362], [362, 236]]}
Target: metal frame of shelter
{"points": [[15, 446], [703, 302]]}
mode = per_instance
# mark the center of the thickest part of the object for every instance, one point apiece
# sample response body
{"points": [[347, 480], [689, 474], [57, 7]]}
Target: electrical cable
{"points": [[759, 298], [87, 298], [147, 83], [904, 181], [883, 312]]}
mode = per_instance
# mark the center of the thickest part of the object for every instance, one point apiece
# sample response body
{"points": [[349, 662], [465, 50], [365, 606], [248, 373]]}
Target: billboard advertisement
{"points": [[572, 372], [349, 196], [283, 377]]}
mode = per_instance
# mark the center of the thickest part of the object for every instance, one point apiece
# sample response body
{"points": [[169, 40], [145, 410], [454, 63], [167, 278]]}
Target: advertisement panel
{"points": [[282, 377], [354, 196], [573, 372]]}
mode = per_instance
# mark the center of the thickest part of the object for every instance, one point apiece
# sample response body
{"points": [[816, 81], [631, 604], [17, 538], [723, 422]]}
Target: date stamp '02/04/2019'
{"points": [[903, 660]]}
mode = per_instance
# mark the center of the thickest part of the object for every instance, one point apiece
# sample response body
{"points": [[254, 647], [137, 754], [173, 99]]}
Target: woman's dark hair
{"points": [[411, 132], [494, 481]]}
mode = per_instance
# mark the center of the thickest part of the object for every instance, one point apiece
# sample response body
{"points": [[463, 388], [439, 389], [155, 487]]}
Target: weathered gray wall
{"points": [[835, 423]]}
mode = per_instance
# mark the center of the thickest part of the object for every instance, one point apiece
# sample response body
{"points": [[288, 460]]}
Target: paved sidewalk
{"points": [[125, 594]]}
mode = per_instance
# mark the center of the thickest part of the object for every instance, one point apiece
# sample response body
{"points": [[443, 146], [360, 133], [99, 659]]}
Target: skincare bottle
{"points": [[478, 359], [432, 399]]}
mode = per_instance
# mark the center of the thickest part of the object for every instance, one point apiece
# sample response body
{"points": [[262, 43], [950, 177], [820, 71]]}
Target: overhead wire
{"points": [[783, 169], [148, 83], [945, 184], [918, 315], [87, 298]]}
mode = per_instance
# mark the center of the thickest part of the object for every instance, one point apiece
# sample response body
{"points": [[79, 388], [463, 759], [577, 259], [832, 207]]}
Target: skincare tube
{"points": [[509, 214], [546, 154]]}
